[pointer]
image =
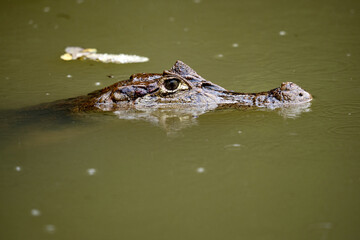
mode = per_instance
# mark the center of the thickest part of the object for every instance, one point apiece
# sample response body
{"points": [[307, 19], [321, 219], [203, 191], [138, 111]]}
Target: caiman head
{"points": [[182, 87]]}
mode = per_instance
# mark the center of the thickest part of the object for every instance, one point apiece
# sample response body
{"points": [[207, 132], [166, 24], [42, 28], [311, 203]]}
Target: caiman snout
{"points": [[292, 93]]}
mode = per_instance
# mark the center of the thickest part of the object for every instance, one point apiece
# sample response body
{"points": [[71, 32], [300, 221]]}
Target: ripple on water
{"points": [[343, 118], [336, 110], [234, 55], [307, 65], [349, 130]]}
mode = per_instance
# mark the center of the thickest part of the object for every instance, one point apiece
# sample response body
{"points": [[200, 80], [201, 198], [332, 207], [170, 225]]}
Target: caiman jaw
{"points": [[288, 94]]}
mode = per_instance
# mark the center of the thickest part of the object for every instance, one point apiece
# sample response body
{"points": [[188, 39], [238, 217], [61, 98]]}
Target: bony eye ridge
{"points": [[171, 84]]}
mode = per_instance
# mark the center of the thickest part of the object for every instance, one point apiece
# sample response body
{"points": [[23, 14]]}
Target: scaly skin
{"points": [[182, 87], [178, 88], [178, 92]]}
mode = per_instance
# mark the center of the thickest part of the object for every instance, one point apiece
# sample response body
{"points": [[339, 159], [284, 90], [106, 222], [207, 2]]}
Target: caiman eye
{"points": [[171, 84]]}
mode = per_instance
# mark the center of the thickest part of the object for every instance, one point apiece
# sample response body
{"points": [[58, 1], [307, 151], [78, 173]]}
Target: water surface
{"points": [[231, 174]]}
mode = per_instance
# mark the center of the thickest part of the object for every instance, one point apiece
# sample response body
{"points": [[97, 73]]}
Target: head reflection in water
{"points": [[173, 120]]}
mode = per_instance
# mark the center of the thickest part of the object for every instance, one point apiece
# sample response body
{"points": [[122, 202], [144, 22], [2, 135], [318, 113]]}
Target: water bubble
{"points": [[324, 225], [348, 54], [235, 145], [197, 1], [31, 21], [97, 84], [239, 132], [235, 45], [18, 168], [186, 29], [282, 33], [91, 171], [46, 9], [50, 228], [220, 55], [35, 212], [171, 19], [47, 94], [79, 1], [68, 76], [200, 170]]}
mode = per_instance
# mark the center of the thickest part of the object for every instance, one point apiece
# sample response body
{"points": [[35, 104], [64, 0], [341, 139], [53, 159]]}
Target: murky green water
{"points": [[225, 175]]}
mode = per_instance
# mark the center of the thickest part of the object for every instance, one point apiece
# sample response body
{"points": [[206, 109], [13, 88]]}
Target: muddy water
{"points": [[233, 174]]}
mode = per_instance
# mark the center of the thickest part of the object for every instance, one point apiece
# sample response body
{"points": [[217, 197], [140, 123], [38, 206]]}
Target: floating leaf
{"points": [[73, 53]]}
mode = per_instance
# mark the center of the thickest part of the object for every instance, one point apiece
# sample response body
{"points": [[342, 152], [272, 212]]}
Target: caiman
{"points": [[178, 88], [172, 100]]}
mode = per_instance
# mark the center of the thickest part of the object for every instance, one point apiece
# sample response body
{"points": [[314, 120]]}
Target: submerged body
{"points": [[179, 88]]}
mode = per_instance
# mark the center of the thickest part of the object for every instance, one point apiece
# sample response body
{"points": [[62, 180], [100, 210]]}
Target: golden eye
{"points": [[171, 84]]}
